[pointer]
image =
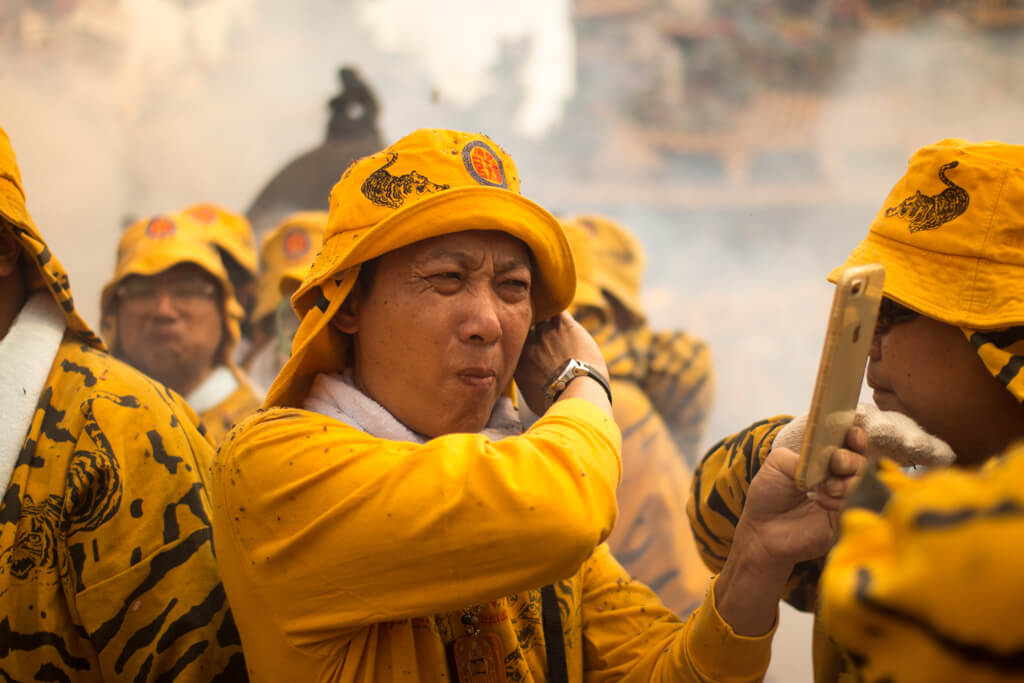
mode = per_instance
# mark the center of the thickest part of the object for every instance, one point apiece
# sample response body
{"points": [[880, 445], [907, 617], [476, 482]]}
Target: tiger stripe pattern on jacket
{"points": [[674, 369], [719, 490], [107, 569]]}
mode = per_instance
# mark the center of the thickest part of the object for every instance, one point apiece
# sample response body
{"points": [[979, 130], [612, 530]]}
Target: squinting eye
{"points": [[518, 284]]}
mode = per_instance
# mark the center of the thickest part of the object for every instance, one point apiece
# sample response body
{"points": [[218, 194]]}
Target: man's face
{"points": [[928, 371], [170, 325], [438, 335]]}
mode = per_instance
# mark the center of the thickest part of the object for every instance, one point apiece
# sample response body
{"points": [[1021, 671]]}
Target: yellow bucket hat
{"points": [[951, 235], [432, 182], [152, 245], [619, 262], [951, 238], [49, 270], [285, 255], [581, 241], [230, 232]]}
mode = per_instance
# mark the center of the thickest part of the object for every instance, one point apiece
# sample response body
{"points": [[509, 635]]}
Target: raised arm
{"points": [[322, 518], [720, 485]]}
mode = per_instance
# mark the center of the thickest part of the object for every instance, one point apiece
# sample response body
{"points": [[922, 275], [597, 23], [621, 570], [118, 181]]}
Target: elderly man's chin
{"points": [[467, 416]]}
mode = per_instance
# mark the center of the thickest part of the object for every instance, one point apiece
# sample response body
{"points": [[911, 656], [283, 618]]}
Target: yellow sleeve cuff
{"points": [[718, 653]]}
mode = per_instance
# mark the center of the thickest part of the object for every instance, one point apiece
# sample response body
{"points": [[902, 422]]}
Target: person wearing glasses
{"points": [[944, 369], [386, 517], [170, 312], [107, 571]]}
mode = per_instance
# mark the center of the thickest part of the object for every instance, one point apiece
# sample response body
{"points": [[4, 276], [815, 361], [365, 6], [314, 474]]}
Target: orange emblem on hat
{"points": [[296, 243], [203, 214], [160, 227], [483, 164]]}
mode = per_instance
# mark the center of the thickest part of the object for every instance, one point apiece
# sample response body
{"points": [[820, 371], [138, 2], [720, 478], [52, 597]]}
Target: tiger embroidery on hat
{"points": [[384, 189], [927, 212]]}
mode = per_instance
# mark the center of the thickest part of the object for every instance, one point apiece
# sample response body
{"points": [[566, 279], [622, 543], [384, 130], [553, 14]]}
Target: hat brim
{"points": [[459, 210], [937, 285], [319, 348]]}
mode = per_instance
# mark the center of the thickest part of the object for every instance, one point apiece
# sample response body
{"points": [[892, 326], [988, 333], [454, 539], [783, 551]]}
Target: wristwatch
{"points": [[567, 372]]}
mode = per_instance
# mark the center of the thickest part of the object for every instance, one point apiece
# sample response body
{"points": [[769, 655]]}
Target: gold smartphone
{"points": [[851, 326]]}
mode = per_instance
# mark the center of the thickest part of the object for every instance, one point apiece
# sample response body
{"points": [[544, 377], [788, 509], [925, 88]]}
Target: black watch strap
{"points": [[570, 370]]}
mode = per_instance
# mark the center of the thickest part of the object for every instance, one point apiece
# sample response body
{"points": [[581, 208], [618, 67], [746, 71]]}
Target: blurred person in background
{"points": [[673, 368], [286, 253], [170, 311], [107, 570], [944, 366], [231, 234], [652, 537], [386, 517]]}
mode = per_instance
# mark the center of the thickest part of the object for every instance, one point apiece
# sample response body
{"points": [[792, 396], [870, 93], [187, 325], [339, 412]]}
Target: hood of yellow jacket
{"points": [[48, 271]]}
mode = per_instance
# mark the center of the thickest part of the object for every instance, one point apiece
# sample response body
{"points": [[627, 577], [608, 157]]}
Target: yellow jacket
{"points": [[652, 538], [242, 402], [720, 485], [927, 589], [673, 368], [107, 570], [350, 558]]}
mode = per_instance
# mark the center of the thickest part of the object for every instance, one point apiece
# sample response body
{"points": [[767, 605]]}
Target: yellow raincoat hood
{"points": [[229, 232], [153, 245], [619, 261], [51, 272], [285, 255]]}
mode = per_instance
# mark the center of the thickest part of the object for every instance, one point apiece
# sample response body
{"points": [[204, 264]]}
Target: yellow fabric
{"points": [[244, 401], [228, 231], [429, 183], [926, 591], [720, 485], [330, 580], [954, 250], [286, 253], [680, 382], [652, 538], [1002, 352], [619, 261], [107, 571], [14, 211], [951, 238], [673, 368], [152, 245], [588, 293]]}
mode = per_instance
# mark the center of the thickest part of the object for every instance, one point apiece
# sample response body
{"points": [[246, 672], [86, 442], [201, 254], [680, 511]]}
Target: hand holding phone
{"points": [[851, 327]]}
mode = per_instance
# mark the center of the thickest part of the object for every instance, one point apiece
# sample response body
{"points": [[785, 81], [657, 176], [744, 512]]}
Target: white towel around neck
{"points": [[335, 395], [27, 353], [213, 390]]}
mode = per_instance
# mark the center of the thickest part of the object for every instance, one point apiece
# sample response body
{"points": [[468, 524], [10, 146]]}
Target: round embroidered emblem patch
{"points": [[483, 164], [203, 214], [160, 227], [296, 243]]}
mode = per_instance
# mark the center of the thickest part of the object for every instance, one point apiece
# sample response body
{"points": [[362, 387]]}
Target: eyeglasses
{"points": [[139, 291], [891, 313]]}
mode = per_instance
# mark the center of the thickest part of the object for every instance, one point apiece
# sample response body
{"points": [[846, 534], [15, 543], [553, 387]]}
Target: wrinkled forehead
{"points": [[469, 248]]}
